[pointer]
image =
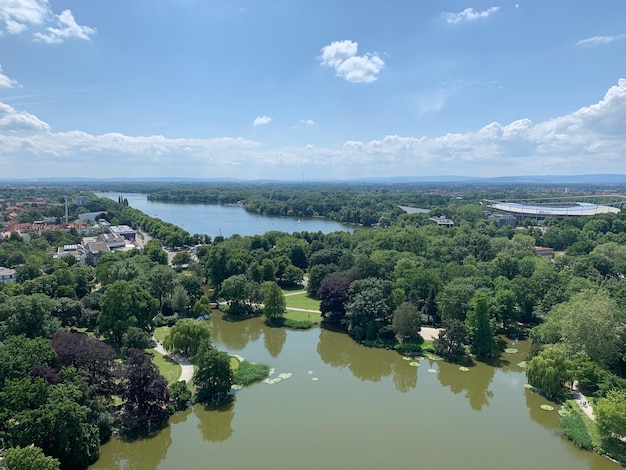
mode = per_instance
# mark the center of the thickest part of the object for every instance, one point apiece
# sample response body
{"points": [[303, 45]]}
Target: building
{"points": [[7, 274], [558, 207], [103, 243], [78, 251], [544, 252], [123, 231], [441, 220]]}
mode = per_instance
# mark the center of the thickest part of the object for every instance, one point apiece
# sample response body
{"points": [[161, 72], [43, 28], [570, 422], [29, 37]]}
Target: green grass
{"points": [[297, 316], [302, 301], [161, 332], [573, 427], [167, 367], [249, 372]]}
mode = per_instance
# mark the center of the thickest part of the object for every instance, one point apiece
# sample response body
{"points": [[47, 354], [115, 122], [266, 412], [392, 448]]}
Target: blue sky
{"points": [[308, 90]]}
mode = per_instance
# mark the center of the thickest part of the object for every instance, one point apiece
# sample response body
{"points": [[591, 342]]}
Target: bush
{"points": [[298, 324], [249, 372], [180, 395], [572, 426], [163, 320]]}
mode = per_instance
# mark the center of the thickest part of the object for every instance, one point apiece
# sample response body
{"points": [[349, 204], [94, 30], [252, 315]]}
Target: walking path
{"points": [[186, 373], [582, 401]]}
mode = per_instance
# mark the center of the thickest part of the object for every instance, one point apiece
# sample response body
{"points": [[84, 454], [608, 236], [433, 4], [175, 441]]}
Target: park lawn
{"points": [[302, 301], [303, 316], [161, 332], [167, 367]]}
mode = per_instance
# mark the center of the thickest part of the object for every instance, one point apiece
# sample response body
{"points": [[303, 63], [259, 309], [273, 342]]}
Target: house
{"points": [[544, 252], [441, 220], [7, 274], [104, 243]]}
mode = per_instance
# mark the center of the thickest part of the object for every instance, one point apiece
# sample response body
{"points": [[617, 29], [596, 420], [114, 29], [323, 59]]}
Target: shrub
{"points": [[249, 372], [572, 426]]}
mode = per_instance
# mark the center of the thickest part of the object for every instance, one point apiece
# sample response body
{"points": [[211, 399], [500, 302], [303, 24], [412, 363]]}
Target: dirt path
{"points": [[186, 372]]}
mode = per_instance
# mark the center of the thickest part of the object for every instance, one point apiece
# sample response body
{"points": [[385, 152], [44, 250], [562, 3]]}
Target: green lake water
{"points": [[367, 409]]}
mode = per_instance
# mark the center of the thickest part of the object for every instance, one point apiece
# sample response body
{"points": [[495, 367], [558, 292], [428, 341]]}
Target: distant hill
{"points": [[600, 179]]}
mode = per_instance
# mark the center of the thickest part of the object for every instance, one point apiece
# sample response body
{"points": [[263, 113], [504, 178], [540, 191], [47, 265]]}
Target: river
{"points": [[215, 219], [347, 406]]}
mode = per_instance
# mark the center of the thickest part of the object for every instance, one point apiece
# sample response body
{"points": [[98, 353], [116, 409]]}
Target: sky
{"points": [[306, 90]]}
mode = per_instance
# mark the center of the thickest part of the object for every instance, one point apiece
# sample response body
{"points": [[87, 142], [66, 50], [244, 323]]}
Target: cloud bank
{"points": [[591, 139]]}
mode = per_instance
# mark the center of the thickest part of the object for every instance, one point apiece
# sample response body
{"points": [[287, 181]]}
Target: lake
{"points": [[215, 219], [347, 406]]}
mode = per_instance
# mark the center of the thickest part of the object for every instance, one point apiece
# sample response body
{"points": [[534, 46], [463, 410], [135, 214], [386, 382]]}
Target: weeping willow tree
{"points": [[548, 371]]}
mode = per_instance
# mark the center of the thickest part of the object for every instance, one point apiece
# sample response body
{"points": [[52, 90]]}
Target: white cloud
{"points": [[13, 120], [68, 28], [19, 15], [341, 55], [469, 14], [308, 122], [13, 27], [591, 139], [600, 40], [6, 82], [261, 121]]}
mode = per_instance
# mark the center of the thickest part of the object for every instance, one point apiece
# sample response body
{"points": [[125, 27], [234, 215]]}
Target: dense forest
{"points": [[73, 366]]}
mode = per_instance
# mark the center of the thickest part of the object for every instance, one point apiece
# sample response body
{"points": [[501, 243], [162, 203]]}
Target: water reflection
{"points": [[141, 454], [274, 340], [548, 419], [366, 364], [474, 382], [235, 335], [215, 425]]}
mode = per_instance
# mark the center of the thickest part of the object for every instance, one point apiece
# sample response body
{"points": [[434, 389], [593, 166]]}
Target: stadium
{"points": [[559, 207]]}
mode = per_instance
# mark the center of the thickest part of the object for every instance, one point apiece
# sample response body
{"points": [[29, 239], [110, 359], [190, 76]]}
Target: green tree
{"points": [[213, 377], [235, 291], [450, 343], [29, 458], [161, 281], [202, 307], [186, 336], [548, 371], [180, 259], [28, 315], [505, 307], [406, 322], [153, 250], [180, 300], [478, 324], [274, 302], [610, 413], [368, 310], [125, 304]]}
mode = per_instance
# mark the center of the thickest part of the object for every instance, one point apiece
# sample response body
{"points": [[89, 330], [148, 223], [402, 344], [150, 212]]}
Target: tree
{"points": [[29, 458], [125, 304], [161, 281], [214, 377], [368, 310], [180, 259], [180, 300], [202, 307], [145, 391], [610, 413], [186, 336], [590, 324], [406, 322], [453, 300], [505, 307], [450, 344], [19, 356], [192, 284], [180, 395], [479, 326], [153, 250], [235, 291], [28, 315], [274, 302], [334, 296], [548, 371], [68, 311]]}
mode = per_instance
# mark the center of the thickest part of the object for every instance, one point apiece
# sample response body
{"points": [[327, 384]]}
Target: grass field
{"points": [[168, 368], [301, 300], [303, 316], [161, 332]]}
